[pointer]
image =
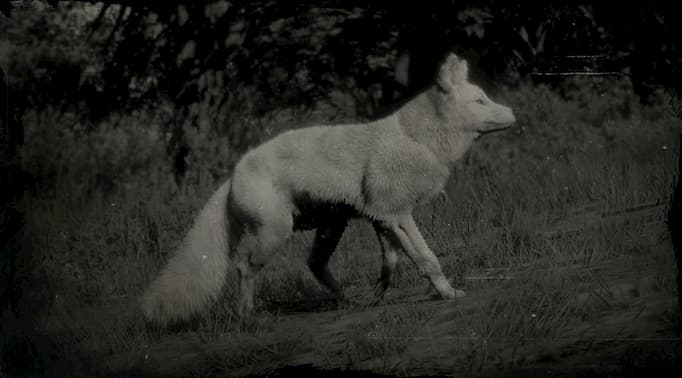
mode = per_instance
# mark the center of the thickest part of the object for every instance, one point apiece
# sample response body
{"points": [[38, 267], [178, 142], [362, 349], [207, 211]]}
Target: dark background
{"points": [[197, 64]]}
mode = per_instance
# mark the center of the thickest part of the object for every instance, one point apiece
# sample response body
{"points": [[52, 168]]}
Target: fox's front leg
{"points": [[405, 229]]}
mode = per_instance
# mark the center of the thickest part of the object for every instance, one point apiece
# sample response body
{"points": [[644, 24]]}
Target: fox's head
{"points": [[464, 103]]}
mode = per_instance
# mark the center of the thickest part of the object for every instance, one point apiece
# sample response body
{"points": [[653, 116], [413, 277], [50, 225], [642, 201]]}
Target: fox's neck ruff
{"points": [[422, 120]]}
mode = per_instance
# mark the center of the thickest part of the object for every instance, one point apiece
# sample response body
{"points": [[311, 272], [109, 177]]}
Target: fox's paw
{"points": [[381, 288], [449, 294], [444, 289]]}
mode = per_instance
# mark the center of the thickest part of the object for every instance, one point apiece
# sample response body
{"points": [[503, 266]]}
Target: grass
{"points": [[106, 212]]}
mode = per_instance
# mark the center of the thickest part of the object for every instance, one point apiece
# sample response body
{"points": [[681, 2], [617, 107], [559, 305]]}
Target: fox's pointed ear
{"points": [[453, 71], [460, 72]]}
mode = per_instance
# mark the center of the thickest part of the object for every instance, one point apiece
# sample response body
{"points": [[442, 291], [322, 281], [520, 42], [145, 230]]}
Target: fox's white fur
{"points": [[319, 177]]}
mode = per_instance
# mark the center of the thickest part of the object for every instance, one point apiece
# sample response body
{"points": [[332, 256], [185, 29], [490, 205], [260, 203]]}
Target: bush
{"points": [[49, 56]]}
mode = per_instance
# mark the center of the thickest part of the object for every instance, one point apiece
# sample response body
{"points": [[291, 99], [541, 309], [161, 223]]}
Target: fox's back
{"points": [[317, 162]]}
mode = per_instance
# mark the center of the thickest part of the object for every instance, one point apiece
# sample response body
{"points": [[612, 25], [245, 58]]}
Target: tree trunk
{"points": [[675, 228], [17, 352], [11, 209]]}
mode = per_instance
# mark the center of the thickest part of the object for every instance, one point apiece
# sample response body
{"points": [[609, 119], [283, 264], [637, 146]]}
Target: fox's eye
{"points": [[480, 101]]}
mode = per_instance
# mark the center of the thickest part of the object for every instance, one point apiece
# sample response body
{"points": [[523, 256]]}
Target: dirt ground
{"points": [[630, 333]]}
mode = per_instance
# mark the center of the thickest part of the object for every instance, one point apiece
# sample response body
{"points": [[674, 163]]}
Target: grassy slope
{"points": [[108, 212]]}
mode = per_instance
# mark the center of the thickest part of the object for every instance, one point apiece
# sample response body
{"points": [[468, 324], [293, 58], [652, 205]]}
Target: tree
{"points": [[17, 351], [208, 58]]}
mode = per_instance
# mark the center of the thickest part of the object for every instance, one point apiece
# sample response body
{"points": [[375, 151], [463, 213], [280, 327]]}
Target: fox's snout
{"points": [[510, 117], [502, 118]]}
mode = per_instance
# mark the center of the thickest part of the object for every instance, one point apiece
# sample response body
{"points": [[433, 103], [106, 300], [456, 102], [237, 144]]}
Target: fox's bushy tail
{"points": [[196, 273]]}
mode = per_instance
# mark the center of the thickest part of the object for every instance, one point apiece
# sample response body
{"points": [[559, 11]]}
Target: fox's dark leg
{"points": [[389, 245], [326, 239]]}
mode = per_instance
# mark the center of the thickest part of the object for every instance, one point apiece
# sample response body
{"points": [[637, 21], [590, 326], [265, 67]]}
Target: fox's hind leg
{"points": [[258, 236], [389, 245], [247, 276], [253, 252], [327, 238]]}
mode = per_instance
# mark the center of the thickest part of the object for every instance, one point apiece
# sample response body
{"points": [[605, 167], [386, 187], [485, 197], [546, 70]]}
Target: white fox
{"points": [[318, 178]]}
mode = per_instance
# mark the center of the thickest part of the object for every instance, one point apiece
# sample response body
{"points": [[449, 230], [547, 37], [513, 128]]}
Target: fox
{"points": [[319, 178]]}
